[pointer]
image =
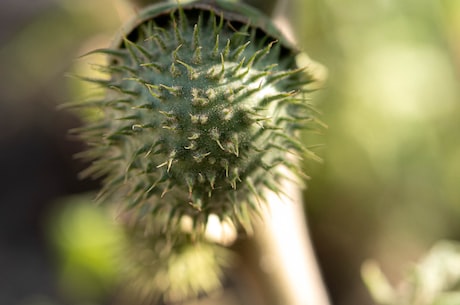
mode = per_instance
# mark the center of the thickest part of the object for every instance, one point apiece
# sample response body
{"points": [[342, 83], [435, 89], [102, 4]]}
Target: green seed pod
{"points": [[203, 104]]}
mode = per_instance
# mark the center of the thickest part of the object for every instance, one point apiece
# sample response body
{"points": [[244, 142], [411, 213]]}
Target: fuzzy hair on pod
{"points": [[203, 105]]}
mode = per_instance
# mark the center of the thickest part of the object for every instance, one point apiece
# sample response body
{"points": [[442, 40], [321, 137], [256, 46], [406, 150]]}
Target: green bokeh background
{"points": [[388, 187]]}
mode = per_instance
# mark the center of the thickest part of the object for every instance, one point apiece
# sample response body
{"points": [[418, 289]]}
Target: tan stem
{"points": [[286, 245]]}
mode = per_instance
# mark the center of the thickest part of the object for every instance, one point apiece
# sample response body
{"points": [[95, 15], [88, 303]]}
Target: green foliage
{"points": [[433, 281]]}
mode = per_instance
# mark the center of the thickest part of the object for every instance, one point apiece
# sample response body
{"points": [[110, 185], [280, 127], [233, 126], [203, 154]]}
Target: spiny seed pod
{"points": [[202, 106]]}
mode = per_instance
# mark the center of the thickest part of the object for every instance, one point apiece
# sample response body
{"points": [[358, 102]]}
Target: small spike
{"points": [[190, 181], [261, 53], [198, 157], [151, 89], [252, 188], [226, 50], [154, 65], [165, 190], [175, 90], [235, 141], [177, 31], [211, 178], [183, 20], [175, 72], [158, 41], [192, 73], [240, 34], [225, 165], [237, 68], [130, 47], [215, 50], [237, 53], [275, 77], [111, 52], [193, 145], [215, 135], [124, 91], [99, 81], [194, 136], [196, 204], [201, 178], [222, 67], [197, 58], [196, 37], [217, 27], [277, 97], [175, 53]]}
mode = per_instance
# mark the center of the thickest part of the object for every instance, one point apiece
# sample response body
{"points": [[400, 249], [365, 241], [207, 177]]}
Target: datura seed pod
{"points": [[203, 104]]}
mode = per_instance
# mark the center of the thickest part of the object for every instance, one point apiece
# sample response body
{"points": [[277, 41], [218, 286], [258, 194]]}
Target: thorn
{"points": [[169, 165], [237, 53], [124, 91], [232, 146], [158, 41], [177, 33], [151, 89], [169, 114], [102, 82], [137, 127], [175, 90], [261, 53], [194, 136], [175, 72], [277, 97], [129, 46], [182, 18], [211, 178], [196, 205], [217, 27], [165, 190], [215, 50], [252, 188], [190, 181], [196, 59], [112, 52], [198, 157], [224, 163], [196, 36], [226, 50], [191, 71], [192, 146], [275, 77], [175, 53], [201, 178], [233, 184], [154, 184], [215, 135]]}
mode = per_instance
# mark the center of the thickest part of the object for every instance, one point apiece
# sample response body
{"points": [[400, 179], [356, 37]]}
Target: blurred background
{"points": [[388, 188]]}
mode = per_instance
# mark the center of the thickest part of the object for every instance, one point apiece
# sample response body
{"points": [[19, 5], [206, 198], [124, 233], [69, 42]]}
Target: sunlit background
{"points": [[388, 188]]}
